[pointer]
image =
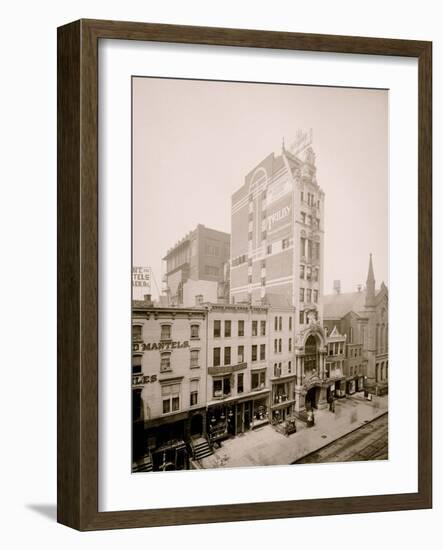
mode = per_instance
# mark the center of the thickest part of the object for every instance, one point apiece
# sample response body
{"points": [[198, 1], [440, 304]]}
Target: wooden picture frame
{"points": [[78, 244]]}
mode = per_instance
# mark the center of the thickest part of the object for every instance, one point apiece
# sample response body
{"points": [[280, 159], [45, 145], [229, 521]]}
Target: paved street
{"points": [[266, 446], [370, 442]]}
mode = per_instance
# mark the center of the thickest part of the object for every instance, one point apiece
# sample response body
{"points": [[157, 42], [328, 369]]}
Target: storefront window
{"points": [[260, 410], [281, 393]]}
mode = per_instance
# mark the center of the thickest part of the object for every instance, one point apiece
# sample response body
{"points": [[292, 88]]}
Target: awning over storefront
{"points": [[283, 405]]}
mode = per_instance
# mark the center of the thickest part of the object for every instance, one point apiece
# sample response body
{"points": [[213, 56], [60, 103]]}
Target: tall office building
{"points": [[196, 268], [277, 233]]}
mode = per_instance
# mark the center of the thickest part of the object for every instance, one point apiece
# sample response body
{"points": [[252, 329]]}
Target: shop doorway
{"points": [[196, 426], [311, 399]]}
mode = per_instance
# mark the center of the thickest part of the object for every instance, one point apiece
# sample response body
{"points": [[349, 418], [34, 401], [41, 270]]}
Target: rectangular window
{"points": [[227, 329], [258, 380], [216, 357], [194, 392], [217, 329], [290, 344], [285, 243], [241, 328], [170, 398], [302, 247], [221, 387], [303, 217], [301, 196], [254, 328], [290, 322], [301, 318], [280, 323], [165, 332], [302, 271], [289, 367], [137, 333], [279, 345], [241, 354], [308, 295], [302, 295], [195, 332], [240, 383], [269, 249], [315, 296], [275, 346], [137, 409], [308, 273], [227, 356], [262, 328], [275, 323], [262, 352], [194, 384], [217, 388], [309, 250], [165, 362], [136, 364], [254, 353], [194, 358]]}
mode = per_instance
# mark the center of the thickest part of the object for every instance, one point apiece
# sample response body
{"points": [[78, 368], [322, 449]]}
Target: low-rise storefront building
{"points": [[238, 381], [168, 384]]}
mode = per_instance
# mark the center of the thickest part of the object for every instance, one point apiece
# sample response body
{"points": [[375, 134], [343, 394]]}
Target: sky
{"points": [[195, 141]]}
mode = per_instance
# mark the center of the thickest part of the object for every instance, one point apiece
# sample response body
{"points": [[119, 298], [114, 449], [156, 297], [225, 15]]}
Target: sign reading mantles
{"points": [[159, 346]]}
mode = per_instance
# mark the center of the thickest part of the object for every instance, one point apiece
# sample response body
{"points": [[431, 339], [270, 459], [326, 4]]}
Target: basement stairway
{"points": [[143, 465], [200, 448]]}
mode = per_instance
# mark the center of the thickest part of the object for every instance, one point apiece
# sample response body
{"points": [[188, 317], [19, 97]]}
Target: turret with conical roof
{"points": [[370, 285]]}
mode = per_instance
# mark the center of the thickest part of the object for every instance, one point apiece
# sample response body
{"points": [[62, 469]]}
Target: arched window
{"points": [[310, 359]]}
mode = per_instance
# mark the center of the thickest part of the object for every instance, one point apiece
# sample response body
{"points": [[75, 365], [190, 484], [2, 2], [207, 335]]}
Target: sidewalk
{"points": [[265, 446]]}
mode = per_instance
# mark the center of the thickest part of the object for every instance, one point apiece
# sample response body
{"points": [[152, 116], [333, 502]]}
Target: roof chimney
{"points": [[337, 286]]}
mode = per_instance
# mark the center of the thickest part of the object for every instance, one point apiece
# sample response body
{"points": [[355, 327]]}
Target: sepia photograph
{"points": [[260, 274]]}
